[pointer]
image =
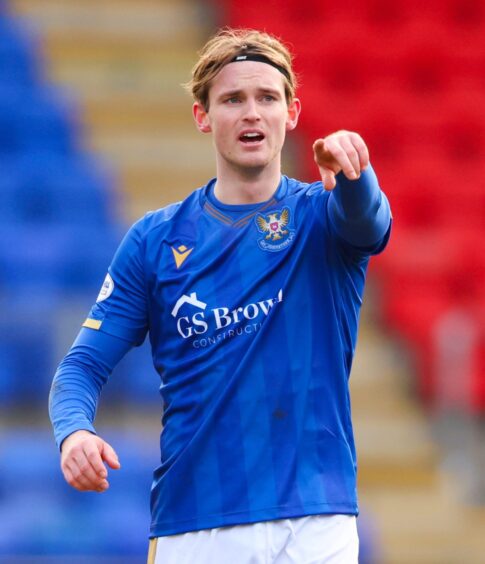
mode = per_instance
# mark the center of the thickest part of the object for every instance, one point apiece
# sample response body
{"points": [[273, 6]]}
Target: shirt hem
{"points": [[248, 517]]}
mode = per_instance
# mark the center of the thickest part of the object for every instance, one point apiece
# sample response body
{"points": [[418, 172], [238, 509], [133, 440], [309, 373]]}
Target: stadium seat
{"points": [[52, 189], [18, 53], [436, 192], [468, 13], [31, 458], [39, 121], [28, 353], [55, 260], [462, 130]]}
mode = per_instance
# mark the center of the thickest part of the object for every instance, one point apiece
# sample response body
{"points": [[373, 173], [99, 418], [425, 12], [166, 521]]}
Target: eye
{"points": [[268, 98], [233, 100]]}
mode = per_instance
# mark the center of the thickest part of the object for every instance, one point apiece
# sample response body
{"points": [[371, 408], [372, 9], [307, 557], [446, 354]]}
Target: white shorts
{"points": [[316, 539]]}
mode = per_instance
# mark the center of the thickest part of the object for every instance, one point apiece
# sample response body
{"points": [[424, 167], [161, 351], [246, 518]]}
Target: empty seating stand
{"points": [[59, 221], [62, 524]]}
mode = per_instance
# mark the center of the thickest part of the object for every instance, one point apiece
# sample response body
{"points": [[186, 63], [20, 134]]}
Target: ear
{"points": [[294, 109], [201, 117]]}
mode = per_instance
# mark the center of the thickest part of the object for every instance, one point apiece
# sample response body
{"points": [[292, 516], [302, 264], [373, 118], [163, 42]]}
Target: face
{"points": [[248, 116]]}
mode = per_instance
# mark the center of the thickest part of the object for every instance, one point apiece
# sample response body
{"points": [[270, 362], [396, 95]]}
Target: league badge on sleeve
{"points": [[106, 289], [276, 230]]}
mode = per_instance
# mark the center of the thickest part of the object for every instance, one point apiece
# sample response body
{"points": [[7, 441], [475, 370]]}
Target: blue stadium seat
{"points": [[59, 228], [65, 521], [18, 52], [43, 189], [40, 121], [28, 352], [53, 260]]}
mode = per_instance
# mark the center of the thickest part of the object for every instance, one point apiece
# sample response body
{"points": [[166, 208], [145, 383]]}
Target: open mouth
{"points": [[251, 137]]}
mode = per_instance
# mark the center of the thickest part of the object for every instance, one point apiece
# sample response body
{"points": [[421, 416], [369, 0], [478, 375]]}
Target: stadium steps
{"points": [[126, 62], [402, 487]]}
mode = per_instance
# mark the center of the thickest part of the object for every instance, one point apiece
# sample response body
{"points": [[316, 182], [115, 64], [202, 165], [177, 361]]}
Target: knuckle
{"points": [[75, 451], [76, 473], [337, 149], [84, 467], [92, 456]]}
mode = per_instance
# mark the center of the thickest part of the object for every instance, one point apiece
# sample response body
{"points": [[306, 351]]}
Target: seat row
{"points": [[62, 523], [48, 189], [468, 14], [36, 330]]}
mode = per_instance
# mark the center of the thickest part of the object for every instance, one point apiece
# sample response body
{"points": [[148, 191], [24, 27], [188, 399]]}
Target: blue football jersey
{"points": [[252, 315]]}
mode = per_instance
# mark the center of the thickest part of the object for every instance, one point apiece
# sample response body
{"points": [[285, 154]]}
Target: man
{"points": [[250, 290]]}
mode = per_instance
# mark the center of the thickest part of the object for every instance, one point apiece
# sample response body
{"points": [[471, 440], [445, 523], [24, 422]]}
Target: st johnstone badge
{"points": [[276, 230]]}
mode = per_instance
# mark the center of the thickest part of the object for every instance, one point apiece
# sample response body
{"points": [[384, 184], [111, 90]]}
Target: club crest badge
{"points": [[106, 289], [276, 229]]}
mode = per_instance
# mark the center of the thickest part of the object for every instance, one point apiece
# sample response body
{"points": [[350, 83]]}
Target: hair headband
{"points": [[261, 59]]}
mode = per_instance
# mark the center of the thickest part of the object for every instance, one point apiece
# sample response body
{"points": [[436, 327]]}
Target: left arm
{"points": [[358, 210]]}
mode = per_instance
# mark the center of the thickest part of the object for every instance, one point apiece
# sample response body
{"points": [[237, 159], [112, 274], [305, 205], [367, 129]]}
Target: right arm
{"points": [[117, 321], [72, 407]]}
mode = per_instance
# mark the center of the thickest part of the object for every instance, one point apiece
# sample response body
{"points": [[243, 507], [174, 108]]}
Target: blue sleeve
{"points": [[117, 321], [121, 308], [79, 379], [359, 212]]}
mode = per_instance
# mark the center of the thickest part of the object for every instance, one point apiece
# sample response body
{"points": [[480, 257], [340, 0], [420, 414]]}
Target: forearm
{"points": [[79, 379], [359, 211]]}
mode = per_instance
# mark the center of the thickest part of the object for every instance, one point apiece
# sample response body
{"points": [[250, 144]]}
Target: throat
{"points": [[245, 192]]}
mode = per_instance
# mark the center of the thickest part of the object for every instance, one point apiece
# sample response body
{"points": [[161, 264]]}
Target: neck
{"points": [[247, 187]]}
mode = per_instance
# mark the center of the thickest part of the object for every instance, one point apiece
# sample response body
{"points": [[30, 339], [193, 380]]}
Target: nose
{"points": [[251, 111]]}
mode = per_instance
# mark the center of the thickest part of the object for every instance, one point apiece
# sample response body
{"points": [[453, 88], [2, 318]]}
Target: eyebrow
{"points": [[264, 90]]}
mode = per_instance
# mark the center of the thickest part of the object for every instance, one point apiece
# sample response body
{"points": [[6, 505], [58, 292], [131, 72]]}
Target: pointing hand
{"points": [[341, 151]]}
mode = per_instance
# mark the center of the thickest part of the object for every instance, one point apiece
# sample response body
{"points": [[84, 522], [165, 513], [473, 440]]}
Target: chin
{"points": [[253, 168]]}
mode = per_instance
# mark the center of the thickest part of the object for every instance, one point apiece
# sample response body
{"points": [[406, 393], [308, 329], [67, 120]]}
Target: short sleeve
{"points": [[121, 306]]}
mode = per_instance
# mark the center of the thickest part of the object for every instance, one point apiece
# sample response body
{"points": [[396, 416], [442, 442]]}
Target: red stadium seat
{"points": [[435, 193], [424, 275], [466, 13]]}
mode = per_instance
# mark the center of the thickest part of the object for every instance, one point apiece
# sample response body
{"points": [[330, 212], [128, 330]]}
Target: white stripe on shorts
{"points": [[315, 539]]}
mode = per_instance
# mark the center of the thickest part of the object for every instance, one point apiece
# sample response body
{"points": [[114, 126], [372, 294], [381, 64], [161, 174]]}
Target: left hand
{"points": [[341, 151]]}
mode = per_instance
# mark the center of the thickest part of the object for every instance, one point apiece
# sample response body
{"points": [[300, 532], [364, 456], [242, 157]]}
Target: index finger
{"points": [[342, 158], [361, 149]]}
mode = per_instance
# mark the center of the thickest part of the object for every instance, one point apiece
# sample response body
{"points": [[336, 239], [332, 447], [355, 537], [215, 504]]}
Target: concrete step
{"points": [[174, 150], [401, 484], [99, 52], [99, 49], [122, 80], [147, 189], [402, 440], [140, 113], [424, 526], [113, 21]]}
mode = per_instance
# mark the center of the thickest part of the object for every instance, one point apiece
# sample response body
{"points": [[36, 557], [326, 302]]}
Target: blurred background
{"points": [[95, 129]]}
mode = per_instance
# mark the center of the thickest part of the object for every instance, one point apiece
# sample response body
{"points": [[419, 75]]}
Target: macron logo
{"points": [[192, 300]]}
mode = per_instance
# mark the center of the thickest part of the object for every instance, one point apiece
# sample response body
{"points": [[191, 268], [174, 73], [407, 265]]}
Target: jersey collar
{"points": [[237, 215]]}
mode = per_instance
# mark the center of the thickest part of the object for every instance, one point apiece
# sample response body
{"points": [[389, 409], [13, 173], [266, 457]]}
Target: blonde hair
{"points": [[225, 45]]}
